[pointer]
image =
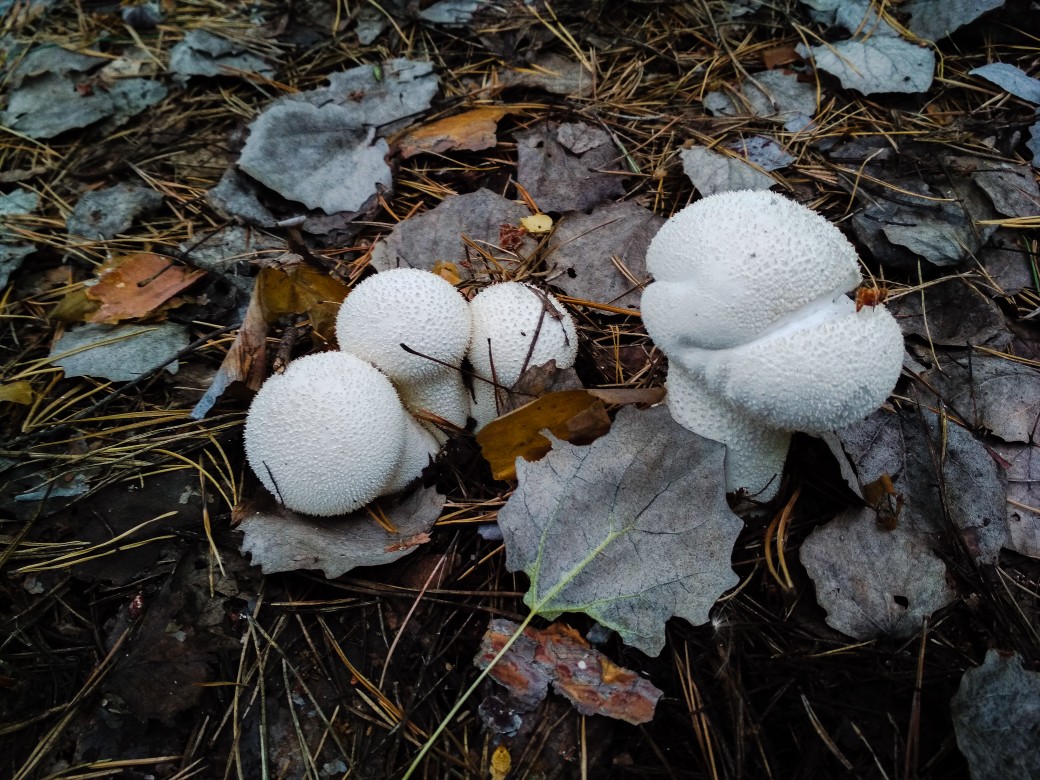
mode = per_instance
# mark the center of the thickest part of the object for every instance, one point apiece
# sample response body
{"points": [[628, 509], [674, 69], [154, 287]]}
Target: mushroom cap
{"points": [[731, 264], [507, 317], [420, 446], [755, 453], [443, 393], [822, 372], [326, 436], [410, 306]]}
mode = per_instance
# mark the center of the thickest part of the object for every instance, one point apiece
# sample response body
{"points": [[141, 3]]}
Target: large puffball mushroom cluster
{"points": [[335, 430], [515, 326], [424, 312], [749, 304], [329, 435]]}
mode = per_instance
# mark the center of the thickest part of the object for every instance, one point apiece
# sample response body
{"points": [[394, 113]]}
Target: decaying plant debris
{"points": [[163, 252]]}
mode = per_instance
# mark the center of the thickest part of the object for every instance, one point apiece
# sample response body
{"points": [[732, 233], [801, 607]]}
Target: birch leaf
{"points": [[625, 530]]}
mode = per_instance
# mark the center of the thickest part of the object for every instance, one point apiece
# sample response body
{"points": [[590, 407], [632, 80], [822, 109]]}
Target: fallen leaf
{"points": [[553, 73], [321, 157], [895, 583], [1022, 463], [992, 392], [875, 63], [952, 313], [601, 256], [202, 53], [537, 224], [623, 530], [288, 285], [996, 718], [137, 285], [279, 539], [909, 446], [471, 130], [933, 20], [1012, 188], [712, 172], [575, 416], [107, 212], [559, 179], [560, 657], [1010, 79], [118, 352], [17, 392], [435, 236]]}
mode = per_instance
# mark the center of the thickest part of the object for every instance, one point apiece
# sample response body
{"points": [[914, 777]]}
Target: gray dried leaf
{"points": [[1010, 79], [992, 392], [953, 313], [319, 157], [996, 718], [878, 63], [560, 180], [712, 172], [383, 97], [1023, 497], [1006, 260], [107, 212], [50, 104], [18, 201], [904, 582], [121, 353], [451, 13], [11, 258], [584, 247], [230, 247], [203, 53], [278, 539], [764, 152], [906, 446], [779, 95], [236, 196], [1033, 144], [50, 58], [606, 529], [436, 235], [1012, 188], [933, 20], [553, 73]]}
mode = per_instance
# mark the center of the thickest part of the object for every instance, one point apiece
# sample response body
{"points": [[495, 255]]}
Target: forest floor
{"points": [[161, 258]]}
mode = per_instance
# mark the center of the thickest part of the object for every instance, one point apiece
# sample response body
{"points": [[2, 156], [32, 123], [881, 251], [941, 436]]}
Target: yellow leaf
{"points": [[19, 392], [575, 416], [537, 224], [501, 763], [301, 289]]}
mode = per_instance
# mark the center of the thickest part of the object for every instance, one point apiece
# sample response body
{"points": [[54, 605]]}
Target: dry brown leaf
{"points": [[559, 656], [471, 130], [575, 416], [297, 288], [137, 285]]}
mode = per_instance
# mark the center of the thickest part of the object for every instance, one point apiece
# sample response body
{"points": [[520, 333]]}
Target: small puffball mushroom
{"points": [[749, 305], [330, 434], [507, 318], [425, 312]]}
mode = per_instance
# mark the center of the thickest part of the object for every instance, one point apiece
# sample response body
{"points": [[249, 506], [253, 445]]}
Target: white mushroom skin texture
{"points": [[330, 434], [749, 305], [507, 318], [423, 311]]}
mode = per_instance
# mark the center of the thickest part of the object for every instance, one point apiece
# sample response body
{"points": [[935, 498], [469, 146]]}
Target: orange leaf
{"points": [[137, 285], [472, 130]]}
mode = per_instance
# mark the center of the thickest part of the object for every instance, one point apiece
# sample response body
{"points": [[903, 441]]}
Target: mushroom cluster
{"points": [[337, 429], [749, 305]]}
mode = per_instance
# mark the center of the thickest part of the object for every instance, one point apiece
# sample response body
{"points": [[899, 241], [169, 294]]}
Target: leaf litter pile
{"points": [[189, 190]]}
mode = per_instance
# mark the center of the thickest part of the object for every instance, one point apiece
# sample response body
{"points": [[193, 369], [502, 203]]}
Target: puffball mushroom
{"points": [[749, 306], [330, 434], [425, 312], [515, 326]]}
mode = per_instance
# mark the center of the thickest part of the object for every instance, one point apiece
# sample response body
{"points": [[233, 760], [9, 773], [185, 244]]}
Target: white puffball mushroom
{"points": [[424, 311], [748, 303], [507, 319], [329, 435]]}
